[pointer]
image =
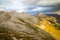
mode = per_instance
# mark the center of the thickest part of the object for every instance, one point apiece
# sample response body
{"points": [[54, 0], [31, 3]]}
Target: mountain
{"points": [[57, 16], [50, 24], [21, 26]]}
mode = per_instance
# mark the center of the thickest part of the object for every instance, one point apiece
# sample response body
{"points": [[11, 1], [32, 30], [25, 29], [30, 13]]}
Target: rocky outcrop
{"points": [[50, 24], [20, 26]]}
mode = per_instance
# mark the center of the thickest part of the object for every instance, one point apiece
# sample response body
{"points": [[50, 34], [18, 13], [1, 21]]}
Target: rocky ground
{"points": [[21, 26]]}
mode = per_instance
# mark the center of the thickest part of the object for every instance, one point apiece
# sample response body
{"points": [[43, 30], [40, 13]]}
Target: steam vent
{"points": [[21, 26]]}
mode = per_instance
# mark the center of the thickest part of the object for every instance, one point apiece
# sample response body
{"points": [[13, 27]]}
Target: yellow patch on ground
{"points": [[45, 25]]}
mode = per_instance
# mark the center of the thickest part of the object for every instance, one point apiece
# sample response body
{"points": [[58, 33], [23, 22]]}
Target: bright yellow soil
{"points": [[46, 26]]}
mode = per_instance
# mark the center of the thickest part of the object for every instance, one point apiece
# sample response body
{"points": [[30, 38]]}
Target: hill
{"points": [[21, 26]]}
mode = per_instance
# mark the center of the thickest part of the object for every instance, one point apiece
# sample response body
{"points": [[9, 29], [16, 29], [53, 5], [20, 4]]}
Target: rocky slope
{"points": [[50, 23], [20, 26]]}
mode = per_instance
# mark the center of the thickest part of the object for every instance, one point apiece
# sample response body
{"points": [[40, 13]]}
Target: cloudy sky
{"points": [[31, 6]]}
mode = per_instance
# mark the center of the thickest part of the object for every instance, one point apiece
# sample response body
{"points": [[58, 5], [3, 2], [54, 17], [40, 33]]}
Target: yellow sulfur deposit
{"points": [[48, 27]]}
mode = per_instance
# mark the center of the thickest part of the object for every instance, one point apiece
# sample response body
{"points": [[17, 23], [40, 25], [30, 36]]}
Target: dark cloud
{"points": [[56, 7]]}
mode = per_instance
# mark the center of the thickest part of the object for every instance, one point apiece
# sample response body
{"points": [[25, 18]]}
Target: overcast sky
{"points": [[29, 5]]}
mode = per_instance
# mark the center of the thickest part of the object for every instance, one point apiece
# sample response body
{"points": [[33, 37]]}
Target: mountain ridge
{"points": [[18, 24]]}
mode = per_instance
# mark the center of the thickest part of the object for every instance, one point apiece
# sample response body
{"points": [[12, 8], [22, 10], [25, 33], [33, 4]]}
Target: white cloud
{"points": [[48, 2], [41, 8], [22, 5], [13, 5], [37, 9], [40, 2], [1, 9]]}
